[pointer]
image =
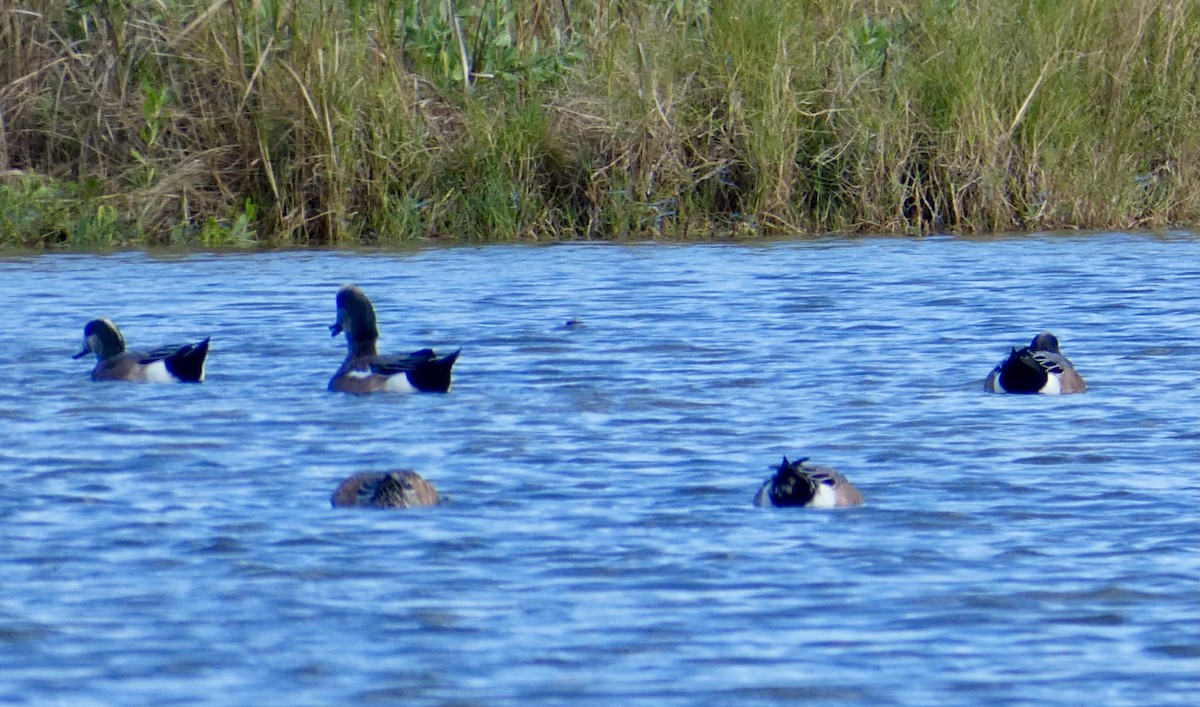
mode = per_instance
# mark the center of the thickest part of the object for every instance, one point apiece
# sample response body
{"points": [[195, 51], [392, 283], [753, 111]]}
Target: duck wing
{"points": [[172, 351], [402, 363], [157, 354], [1047, 361], [427, 372]]}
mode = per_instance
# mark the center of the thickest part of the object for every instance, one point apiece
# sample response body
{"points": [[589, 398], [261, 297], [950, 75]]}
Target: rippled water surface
{"points": [[175, 544]]}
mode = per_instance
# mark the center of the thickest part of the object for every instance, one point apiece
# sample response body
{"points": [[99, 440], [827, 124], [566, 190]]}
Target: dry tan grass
{"points": [[351, 123]]}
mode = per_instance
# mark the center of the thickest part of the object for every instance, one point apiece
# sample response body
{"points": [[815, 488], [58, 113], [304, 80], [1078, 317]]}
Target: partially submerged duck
{"points": [[365, 371], [393, 489], [165, 364], [807, 485], [1037, 368]]}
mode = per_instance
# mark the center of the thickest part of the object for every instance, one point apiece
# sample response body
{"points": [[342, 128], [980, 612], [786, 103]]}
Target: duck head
{"points": [[101, 337], [355, 316]]}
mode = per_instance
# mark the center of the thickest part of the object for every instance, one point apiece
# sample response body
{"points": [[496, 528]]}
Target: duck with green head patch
{"points": [[365, 371], [165, 364]]}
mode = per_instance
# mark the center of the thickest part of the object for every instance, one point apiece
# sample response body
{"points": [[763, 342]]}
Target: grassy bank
{"points": [[343, 122]]}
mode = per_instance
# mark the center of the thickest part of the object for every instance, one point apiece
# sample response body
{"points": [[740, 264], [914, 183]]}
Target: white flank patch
{"points": [[399, 384], [1053, 385], [825, 497], [157, 373]]}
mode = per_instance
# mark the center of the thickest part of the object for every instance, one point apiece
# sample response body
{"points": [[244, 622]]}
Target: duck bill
{"points": [[81, 354], [335, 328]]}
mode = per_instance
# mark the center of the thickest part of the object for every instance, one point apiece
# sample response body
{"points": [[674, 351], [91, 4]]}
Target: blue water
{"points": [[175, 544]]}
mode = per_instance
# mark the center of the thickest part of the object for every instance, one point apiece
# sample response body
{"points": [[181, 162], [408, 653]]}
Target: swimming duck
{"points": [[365, 371], [799, 484], [165, 364], [394, 489], [1037, 368]]}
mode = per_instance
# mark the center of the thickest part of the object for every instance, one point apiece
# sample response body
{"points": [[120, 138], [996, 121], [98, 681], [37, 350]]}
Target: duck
{"points": [[1037, 368], [807, 485], [365, 371], [401, 488], [165, 364]]}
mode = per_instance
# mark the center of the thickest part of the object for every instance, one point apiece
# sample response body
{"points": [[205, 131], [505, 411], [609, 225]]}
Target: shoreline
{"points": [[420, 245], [265, 126]]}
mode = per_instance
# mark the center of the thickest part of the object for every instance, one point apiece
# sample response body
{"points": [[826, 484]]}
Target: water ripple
{"points": [[176, 543]]}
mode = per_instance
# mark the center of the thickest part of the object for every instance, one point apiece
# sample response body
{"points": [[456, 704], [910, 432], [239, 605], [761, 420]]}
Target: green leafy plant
{"points": [[154, 102], [221, 233]]}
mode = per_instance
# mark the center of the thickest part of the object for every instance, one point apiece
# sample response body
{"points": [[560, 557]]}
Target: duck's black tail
{"points": [[1021, 372], [792, 485], [433, 376], [187, 364]]}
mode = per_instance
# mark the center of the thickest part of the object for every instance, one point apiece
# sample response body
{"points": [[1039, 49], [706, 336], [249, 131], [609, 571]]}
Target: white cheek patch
{"points": [[157, 373]]}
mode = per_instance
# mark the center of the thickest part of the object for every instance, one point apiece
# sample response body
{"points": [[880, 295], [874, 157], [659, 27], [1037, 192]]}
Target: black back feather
{"points": [[792, 485]]}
